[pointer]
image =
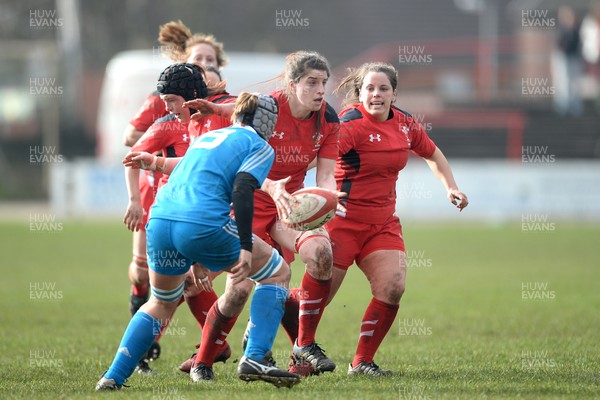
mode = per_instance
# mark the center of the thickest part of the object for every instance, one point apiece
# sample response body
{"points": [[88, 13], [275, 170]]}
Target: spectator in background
{"points": [[590, 34], [567, 65], [590, 40]]}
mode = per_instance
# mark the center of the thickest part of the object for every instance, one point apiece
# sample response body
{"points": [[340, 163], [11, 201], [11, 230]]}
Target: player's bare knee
{"points": [[389, 290], [318, 258], [395, 293], [138, 272], [237, 295]]}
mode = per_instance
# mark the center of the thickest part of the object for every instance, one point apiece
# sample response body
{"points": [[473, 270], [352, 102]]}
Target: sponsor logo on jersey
{"points": [[374, 137]]}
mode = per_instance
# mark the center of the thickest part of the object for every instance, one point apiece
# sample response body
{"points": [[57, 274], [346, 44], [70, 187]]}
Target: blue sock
{"points": [[137, 339], [266, 311]]}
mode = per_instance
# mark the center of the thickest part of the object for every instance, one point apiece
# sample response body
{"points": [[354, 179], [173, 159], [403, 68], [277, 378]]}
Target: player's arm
{"points": [[441, 169], [134, 214], [325, 173], [152, 109], [131, 135], [326, 179], [206, 108], [147, 161], [281, 197], [244, 186]]}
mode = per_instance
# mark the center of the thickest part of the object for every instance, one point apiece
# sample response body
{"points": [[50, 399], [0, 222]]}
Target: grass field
{"points": [[488, 313]]}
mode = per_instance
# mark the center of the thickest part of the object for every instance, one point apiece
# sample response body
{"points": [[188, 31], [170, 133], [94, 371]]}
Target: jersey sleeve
{"points": [[421, 144], [154, 139], [331, 131], [349, 121], [152, 109], [259, 161]]}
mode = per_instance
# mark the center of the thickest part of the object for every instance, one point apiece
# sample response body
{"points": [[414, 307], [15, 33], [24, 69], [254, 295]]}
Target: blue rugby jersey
{"points": [[199, 188]]}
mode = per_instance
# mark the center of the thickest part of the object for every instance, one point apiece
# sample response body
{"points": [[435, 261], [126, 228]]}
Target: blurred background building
{"points": [[509, 81]]}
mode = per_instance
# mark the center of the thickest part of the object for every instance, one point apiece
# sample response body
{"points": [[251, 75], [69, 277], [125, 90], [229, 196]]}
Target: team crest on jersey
{"points": [[317, 137], [207, 124], [405, 130], [374, 137], [317, 140], [278, 135]]}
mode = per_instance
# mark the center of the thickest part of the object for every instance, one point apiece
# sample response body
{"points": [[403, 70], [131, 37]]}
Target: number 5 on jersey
{"points": [[210, 140]]}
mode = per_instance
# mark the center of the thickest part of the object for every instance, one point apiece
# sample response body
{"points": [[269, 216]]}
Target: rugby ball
{"points": [[315, 206]]}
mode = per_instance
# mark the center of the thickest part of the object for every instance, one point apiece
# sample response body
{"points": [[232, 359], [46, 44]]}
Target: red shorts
{"points": [[265, 216], [148, 185], [352, 241]]}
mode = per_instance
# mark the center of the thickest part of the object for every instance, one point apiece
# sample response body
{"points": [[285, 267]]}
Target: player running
{"points": [[375, 141], [306, 131], [190, 223]]}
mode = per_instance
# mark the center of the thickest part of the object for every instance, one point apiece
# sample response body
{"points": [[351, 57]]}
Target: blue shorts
{"points": [[173, 246]]}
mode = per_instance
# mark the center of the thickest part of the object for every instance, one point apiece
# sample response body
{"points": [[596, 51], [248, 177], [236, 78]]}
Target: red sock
{"points": [[216, 329], [140, 290], [313, 298], [200, 305], [290, 315], [376, 323]]}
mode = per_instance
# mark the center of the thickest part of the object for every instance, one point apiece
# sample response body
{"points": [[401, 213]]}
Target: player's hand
{"points": [[241, 270], [133, 215], [281, 197], [139, 160], [204, 107], [339, 195], [458, 198], [201, 277]]}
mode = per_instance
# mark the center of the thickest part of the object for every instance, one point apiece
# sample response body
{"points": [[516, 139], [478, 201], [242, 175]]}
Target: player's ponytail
{"points": [[173, 36], [179, 40], [258, 111]]}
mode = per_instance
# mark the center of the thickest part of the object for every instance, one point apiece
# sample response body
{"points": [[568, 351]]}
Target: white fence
{"points": [[497, 190]]}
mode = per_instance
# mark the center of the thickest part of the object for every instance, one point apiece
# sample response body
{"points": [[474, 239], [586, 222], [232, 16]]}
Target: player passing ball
{"points": [[306, 134]]}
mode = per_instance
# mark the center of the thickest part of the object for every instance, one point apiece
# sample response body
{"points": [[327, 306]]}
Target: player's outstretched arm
{"points": [[150, 162], [206, 108], [441, 169]]}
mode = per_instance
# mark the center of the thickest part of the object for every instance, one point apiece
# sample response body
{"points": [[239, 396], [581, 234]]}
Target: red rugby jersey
{"points": [[168, 135], [372, 153], [296, 141], [152, 109], [213, 122]]}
